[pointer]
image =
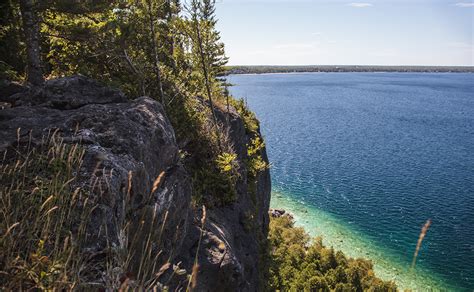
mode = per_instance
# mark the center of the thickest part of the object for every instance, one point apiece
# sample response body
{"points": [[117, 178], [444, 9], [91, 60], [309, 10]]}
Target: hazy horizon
{"points": [[345, 33], [344, 65]]}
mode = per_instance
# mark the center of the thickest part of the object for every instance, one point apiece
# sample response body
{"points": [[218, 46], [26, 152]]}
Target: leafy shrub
{"points": [[210, 157], [213, 171], [255, 163], [227, 162]]}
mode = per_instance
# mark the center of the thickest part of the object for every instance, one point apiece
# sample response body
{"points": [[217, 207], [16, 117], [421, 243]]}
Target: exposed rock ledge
{"points": [[122, 136]]}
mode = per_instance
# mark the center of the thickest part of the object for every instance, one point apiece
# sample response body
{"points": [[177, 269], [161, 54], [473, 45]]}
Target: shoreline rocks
{"points": [[277, 213]]}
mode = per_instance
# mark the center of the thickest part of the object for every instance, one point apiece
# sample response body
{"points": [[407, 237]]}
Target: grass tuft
{"points": [[45, 226], [39, 238]]}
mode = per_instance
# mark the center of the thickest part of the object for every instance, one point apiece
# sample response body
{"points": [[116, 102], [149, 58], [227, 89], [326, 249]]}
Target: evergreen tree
{"points": [[213, 45], [202, 54]]}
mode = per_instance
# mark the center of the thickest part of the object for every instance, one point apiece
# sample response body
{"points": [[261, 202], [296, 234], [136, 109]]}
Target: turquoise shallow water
{"points": [[355, 243], [367, 158]]}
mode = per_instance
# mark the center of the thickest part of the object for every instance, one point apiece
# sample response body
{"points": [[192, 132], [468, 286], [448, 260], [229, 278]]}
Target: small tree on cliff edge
{"points": [[207, 50], [30, 18], [202, 57], [213, 45]]}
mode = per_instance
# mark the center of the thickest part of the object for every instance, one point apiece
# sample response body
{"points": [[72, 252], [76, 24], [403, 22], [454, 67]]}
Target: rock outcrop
{"points": [[122, 140], [133, 140]]}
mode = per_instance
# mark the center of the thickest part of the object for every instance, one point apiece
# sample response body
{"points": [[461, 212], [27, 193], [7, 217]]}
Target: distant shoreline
{"points": [[346, 69]]}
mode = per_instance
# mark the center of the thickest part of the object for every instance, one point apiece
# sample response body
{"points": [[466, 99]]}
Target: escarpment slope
{"points": [[143, 214]]}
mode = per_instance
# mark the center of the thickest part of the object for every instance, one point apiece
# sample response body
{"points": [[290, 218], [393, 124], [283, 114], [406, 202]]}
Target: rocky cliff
{"points": [[132, 168]]}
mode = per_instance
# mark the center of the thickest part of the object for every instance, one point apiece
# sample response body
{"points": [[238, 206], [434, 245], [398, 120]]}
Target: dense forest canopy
{"points": [[149, 47], [297, 264]]}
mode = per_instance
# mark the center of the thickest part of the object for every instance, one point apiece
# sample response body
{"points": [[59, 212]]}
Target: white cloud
{"points": [[465, 4], [360, 4]]}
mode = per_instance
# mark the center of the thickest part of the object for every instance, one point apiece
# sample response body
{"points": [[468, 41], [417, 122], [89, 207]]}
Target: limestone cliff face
{"points": [[230, 259], [128, 144]]}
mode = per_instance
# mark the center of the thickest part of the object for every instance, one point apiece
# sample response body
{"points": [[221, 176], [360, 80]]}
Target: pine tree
{"points": [[214, 47], [203, 54]]}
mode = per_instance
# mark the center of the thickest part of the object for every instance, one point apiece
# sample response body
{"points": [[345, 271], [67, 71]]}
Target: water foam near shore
{"points": [[353, 243]]}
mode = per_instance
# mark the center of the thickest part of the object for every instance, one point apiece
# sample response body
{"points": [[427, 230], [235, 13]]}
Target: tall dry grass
{"points": [[45, 224], [40, 236], [423, 232], [192, 280]]}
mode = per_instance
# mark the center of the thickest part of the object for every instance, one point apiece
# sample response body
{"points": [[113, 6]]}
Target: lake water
{"points": [[365, 159]]}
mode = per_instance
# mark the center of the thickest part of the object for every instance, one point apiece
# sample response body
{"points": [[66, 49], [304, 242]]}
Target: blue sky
{"points": [[307, 32]]}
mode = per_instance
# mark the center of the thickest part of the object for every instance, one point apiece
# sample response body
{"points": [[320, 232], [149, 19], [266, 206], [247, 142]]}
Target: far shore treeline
{"points": [[261, 69]]}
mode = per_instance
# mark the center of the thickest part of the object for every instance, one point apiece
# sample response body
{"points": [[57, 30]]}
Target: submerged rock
{"points": [[277, 213]]}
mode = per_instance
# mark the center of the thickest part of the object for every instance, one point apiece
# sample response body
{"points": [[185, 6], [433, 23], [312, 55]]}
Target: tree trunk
{"points": [[29, 15], [169, 19], [155, 53]]}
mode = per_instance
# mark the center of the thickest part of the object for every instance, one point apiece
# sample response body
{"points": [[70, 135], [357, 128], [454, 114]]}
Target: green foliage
{"points": [[159, 48], [7, 72], [213, 182], [227, 162], [250, 120], [298, 264], [255, 145], [264, 69], [255, 162], [12, 48], [213, 188]]}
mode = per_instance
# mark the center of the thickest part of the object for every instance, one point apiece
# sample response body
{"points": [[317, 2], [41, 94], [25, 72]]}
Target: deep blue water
{"points": [[381, 151]]}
